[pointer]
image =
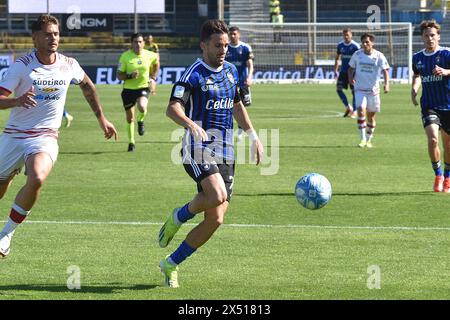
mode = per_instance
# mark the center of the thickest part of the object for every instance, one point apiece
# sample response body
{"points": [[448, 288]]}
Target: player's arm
{"points": [[121, 71], [242, 118], [416, 82], [175, 111], [336, 64], [386, 80], [154, 69], [249, 79], [26, 100], [90, 93], [351, 74]]}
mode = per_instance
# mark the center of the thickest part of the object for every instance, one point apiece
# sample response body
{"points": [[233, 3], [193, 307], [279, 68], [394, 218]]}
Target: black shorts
{"points": [[129, 96], [342, 81], [246, 95], [439, 117], [198, 172]]}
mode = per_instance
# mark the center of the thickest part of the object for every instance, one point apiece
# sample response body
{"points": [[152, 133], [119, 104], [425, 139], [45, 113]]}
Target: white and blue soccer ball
{"points": [[313, 191]]}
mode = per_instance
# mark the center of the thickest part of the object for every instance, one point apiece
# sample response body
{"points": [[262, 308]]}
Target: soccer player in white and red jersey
{"points": [[40, 81], [364, 74], [431, 67]]}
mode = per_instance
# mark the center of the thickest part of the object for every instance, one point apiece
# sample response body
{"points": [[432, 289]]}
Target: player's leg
{"points": [[353, 115], [431, 123], [361, 103], [445, 134], [198, 236], [213, 193], [130, 128], [342, 83], [142, 103], [68, 118], [38, 167], [128, 102], [373, 107], [4, 185]]}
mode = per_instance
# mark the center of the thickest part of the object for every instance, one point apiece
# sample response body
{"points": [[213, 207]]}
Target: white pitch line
{"points": [[235, 225]]}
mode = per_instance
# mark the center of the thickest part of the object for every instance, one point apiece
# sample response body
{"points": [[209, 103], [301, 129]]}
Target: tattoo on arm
{"points": [[91, 96]]}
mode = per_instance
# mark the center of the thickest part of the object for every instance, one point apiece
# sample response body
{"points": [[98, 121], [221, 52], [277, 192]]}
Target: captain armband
{"points": [[181, 92]]}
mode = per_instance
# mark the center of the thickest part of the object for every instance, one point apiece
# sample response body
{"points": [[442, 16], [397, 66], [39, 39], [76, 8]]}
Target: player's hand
{"points": [[249, 81], [152, 86], [386, 87], [134, 74], [108, 128], [414, 97], [198, 132], [257, 151], [438, 71], [27, 99]]}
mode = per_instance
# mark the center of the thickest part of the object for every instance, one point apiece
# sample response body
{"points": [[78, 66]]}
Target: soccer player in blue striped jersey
{"points": [[241, 55], [204, 101], [345, 50], [431, 67]]}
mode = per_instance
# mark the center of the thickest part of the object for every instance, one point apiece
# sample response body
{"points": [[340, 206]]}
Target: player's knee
{"points": [[433, 142], [218, 197], [36, 181]]}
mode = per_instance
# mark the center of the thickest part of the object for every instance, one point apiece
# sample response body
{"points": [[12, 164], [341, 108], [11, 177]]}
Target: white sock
{"points": [[9, 227]]}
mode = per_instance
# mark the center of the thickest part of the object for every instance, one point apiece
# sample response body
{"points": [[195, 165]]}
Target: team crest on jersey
{"points": [[438, 59], [419, 65]]}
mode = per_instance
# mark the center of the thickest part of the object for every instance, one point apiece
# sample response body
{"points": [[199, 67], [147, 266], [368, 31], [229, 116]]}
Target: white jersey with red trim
{"points": [[50, 84], [367, 70]]}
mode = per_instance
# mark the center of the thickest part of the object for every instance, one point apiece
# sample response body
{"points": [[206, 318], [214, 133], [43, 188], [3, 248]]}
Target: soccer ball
{"points": [[313, 191]]}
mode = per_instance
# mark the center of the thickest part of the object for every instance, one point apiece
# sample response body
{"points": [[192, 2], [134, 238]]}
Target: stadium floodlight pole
{"points": [[314, 31], [136, 22], [220, 9]]}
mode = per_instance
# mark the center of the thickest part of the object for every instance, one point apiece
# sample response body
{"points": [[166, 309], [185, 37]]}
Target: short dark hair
{"points": [[136, 35], [43, 20], [430, 24], [211, 27], [368, 35], [347, 30], [234, 28]]}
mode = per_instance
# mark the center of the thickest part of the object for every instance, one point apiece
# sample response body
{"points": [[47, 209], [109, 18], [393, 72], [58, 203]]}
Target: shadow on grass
{"points": [[369, 194], [61, 288]]}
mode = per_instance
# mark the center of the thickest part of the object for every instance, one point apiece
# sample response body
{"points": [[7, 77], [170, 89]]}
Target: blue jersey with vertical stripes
{"points": [[346, 50], [239, 55], [435, 89], [212, 93]]}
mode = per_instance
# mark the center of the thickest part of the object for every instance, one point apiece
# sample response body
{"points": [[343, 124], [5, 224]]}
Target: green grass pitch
{"points": [[101, 208]]}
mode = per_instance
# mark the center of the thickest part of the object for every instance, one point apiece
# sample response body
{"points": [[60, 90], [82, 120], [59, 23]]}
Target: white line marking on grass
{"points": [[236, 225], [333, 114]]}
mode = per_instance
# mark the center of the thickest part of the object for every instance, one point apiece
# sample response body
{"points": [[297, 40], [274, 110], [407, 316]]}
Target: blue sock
{"points": [[182, 253], [447, 170], [343, 97], [437, 168], [183, 214], [65, 113]]}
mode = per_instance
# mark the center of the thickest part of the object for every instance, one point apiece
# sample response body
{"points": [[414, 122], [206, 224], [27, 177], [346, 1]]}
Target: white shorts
{"points": [[368, 100], [15, 152]]}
